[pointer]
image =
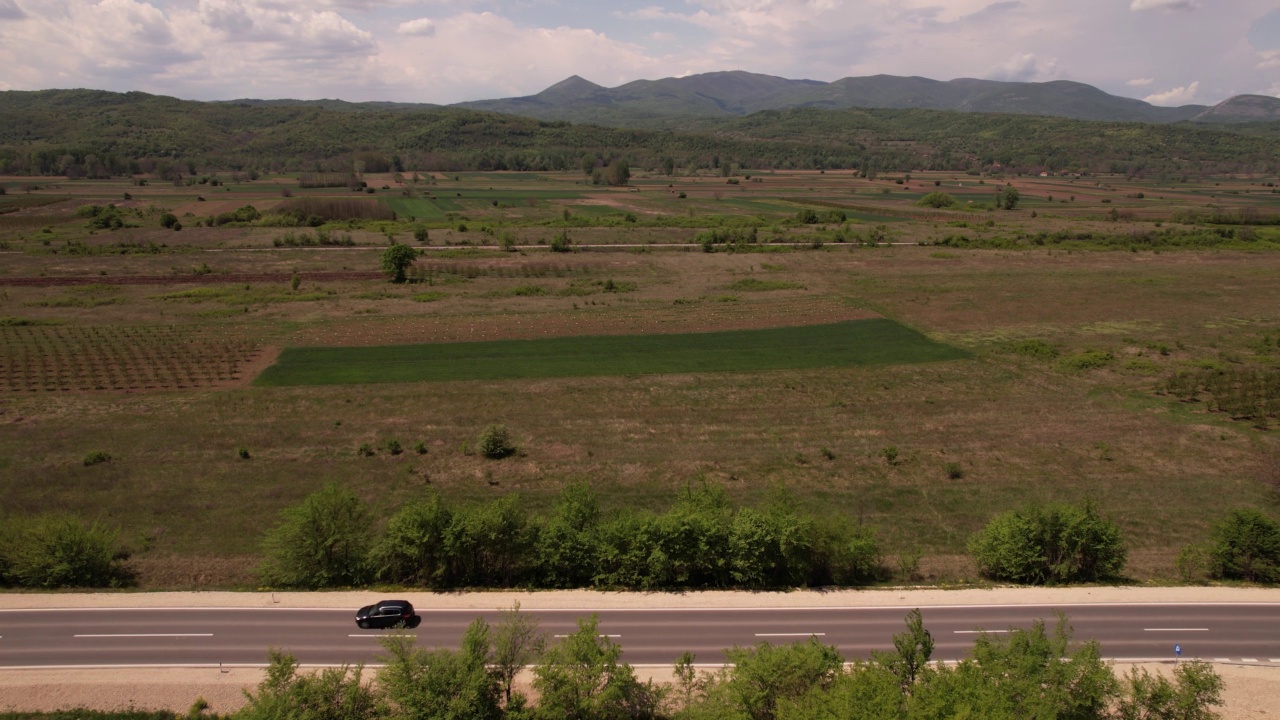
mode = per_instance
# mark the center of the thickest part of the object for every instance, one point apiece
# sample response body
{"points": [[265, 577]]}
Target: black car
{"points": [[387, 613]]}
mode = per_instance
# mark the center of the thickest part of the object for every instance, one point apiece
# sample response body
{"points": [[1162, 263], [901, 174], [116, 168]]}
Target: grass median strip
{"points": [[844, 344]]}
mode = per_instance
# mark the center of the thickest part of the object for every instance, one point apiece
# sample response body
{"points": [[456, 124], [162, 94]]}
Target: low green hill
{"points": [[96, 133]]}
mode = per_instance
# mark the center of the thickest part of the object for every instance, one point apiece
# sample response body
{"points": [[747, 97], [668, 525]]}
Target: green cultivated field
{"points": [[419, 208], [846, 344]]}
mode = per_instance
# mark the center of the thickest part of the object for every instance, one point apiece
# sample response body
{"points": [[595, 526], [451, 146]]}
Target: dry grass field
{"points": [[142, 343]]}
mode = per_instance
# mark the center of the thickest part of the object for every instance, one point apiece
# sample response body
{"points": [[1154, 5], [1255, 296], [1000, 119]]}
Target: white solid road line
{"points": [[148, 635], [979, 632], [1175, 629], [791, 634], [604, 636]]}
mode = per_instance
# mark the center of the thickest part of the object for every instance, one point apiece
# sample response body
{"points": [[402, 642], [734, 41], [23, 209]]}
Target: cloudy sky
{"points": [[1168, 52]]}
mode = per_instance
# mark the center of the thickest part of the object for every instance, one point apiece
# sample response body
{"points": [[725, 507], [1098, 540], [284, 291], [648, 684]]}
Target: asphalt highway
{"points": [[201, 637]]}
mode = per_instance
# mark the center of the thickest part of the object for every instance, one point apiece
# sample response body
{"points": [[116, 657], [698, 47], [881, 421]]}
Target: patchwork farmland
{"points": [[693, 331]]}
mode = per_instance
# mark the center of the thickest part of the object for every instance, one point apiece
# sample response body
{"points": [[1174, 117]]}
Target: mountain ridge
{"points": [[657, 103]]}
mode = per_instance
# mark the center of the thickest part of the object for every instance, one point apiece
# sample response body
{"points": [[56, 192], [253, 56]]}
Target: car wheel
{"points": [[364, 624]]}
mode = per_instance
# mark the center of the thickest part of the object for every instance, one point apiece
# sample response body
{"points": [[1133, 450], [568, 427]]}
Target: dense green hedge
{"points": [[703, 541]]}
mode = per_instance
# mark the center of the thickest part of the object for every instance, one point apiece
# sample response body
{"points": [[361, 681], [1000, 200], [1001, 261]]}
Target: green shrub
{"points": [[890, 454], [936, 199], [954, 471], [494, 442], [365, 450], [1246, 546], [861, 560], [393, 447], [1192, 563], [243, 453], [322, 542], [1087, 360], [1034, 349], [52, 551], [96, 457], [561, 242], [1046, 545]]}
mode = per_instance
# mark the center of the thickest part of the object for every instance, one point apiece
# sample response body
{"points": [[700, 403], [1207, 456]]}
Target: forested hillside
{"points": [[96, 133]]}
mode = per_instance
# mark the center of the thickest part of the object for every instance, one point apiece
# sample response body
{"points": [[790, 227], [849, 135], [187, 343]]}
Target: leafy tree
{"points": [[695, 537], [491, 545], [1246, 546], [507, 241], [1194, 690], [416, 547], [767, 674], [1008, 197], [54, 551], [396, 261], [865, 691], [517, 643], [668, 165], [568, 540], [1055, 544], [331, 694], [772, 548], [1024, 674], [443, 684], [583, 678], [420, 234], [589, 163], [618, 172], [321, 542], [912, 651]]}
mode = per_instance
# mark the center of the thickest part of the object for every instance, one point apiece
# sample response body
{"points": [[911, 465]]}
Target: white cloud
{"points": [[377, 49], [1024, 67], [9, 10], [1165, 5], [1182, 95], [420, 27], [284, 32]]}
